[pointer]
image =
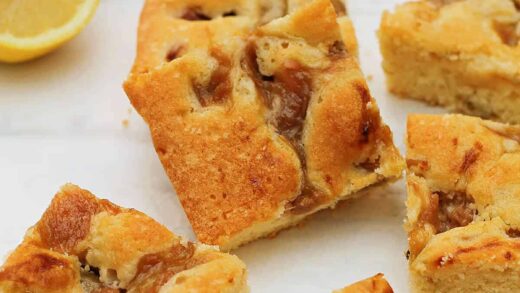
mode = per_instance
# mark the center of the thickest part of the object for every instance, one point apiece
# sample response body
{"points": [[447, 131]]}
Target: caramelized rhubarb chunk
{"points": [[174, 52], [337, 50], [456, 209], [307, 201], [442, 212], [286, 94], [219, 87], [194, 14], [508, 33], [339, 6], [449, 210], [161, 267], [229, 13], [370, 120], [370, 164], [292, 89], [513, 233]]}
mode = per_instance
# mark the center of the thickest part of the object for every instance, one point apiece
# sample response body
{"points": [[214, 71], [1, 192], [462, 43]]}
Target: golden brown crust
{"points": [[375, 284], [463, 200], [84, 244], [40, 270], [247, 117], [67, 220], [216, 202], [464, 55]]}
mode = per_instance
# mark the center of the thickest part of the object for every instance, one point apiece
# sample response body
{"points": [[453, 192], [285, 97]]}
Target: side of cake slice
{"points": [[464, 55], [463, 218], [259, 126], [85, 244], [375, 284]]}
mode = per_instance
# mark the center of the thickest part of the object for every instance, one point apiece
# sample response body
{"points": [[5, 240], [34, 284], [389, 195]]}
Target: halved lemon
{"points": [[32, 28]]}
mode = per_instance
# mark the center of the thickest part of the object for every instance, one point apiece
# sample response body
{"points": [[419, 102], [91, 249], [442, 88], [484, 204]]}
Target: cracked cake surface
{"points": [[86, 244], [463, 55], [463, 218], [258, 111]]}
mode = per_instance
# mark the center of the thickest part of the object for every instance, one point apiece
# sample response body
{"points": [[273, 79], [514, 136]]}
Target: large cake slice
{"points": [[87, 245], [464, 55], [258, 124], [463, 217]]}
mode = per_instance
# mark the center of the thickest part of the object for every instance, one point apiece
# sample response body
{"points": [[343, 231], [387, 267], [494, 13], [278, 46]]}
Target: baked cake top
{"points": [[169, 29], [256, 122], [86, 244], [463, 172]]}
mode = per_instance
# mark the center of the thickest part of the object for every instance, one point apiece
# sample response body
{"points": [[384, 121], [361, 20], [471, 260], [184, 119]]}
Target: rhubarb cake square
{"points": [[463, 55], [258, 111], [463, 218]]}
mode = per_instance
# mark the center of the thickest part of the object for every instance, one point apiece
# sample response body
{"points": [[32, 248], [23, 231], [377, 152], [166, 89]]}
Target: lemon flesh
{"points": [[32, 28]]}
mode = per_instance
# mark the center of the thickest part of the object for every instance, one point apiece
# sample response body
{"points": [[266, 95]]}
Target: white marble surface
{"points": [[61, 121]]}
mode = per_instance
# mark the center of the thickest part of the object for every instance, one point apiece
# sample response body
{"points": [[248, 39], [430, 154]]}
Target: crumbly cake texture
{"points": [[464, 55], [375, 284], [259, 118], [463, 217], [85, 244]]}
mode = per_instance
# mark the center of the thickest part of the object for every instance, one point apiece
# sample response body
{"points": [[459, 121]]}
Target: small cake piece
{"points": [[463, 55], [257, 125], [375, 284], [463, 218], [85, 244]]}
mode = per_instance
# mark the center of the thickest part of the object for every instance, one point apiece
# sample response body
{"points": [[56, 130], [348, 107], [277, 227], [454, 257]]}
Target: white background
{"points": [[61, 121]]}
